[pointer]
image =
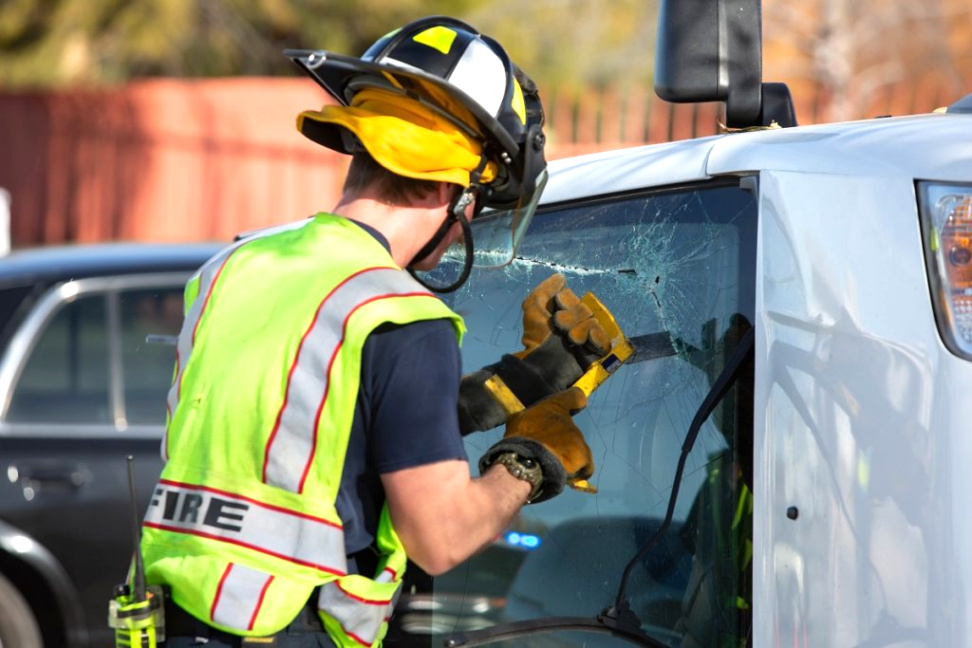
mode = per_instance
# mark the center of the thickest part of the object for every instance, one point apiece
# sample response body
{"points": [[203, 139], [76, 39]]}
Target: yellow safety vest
{"points": [[243, 524]]}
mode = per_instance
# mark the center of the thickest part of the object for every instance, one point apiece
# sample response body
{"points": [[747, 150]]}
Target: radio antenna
{"points": [[138, 580]]}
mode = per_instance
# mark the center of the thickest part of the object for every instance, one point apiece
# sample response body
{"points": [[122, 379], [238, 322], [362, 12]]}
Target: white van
{"points": [[844, 437]]}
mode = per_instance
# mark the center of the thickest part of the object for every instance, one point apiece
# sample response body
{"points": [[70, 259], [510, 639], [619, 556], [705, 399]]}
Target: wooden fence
{"points": [[179, 160]]}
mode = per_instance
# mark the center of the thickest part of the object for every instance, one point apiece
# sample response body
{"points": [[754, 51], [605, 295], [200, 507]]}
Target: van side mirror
{"points": [[712, 50]]}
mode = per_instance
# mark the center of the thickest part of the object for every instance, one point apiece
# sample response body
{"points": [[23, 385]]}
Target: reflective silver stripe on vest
{"points": [[239, 597], [360, 618], [290, 450], [387, 575], [245, 522], [187, 335]]}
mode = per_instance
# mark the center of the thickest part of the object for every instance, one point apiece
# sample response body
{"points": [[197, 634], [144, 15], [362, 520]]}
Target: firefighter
{"points": [[313, 438]]}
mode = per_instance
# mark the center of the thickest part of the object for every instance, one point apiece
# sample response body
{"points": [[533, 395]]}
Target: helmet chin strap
{"points": [[457, 212]]}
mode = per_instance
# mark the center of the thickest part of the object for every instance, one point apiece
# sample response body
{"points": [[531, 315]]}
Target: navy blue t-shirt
{"points": [[405, 415]]}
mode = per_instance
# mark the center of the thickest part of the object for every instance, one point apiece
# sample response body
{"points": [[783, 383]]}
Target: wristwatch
{"points": [[526, 469]]}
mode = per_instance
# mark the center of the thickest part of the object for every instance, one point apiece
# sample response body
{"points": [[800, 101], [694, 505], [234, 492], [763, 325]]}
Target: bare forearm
{"points": [[443, 516]]}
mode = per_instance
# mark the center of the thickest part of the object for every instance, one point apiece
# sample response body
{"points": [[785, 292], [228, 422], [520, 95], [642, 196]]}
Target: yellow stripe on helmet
{"points": [[438, 37], [517, 103]]}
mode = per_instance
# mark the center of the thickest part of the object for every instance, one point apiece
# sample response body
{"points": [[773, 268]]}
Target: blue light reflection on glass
{"points": [[525, 540]]}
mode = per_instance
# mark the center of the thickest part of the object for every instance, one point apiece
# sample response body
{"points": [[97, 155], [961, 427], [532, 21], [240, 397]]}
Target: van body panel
{"points": [[860, 428]]}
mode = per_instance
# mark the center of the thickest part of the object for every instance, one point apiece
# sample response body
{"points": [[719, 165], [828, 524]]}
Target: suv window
{"points": [[682, 262], [91, 363], [147, 367]]}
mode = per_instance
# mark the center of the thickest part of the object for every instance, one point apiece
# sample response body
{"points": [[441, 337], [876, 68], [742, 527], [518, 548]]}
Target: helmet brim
{"points": [[341, 76]]}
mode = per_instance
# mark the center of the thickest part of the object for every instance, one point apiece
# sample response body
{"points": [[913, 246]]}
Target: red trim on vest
{"points": [[330, 364], [246, 545], [360, 599], [202, 309], [293, 366], [272, 507], [209, 293], [168, 406], [320, 410], [259, 604], [178, 374], [219, 591]]}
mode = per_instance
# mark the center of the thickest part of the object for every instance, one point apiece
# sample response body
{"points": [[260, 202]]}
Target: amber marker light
{"points": [[946, 215]]}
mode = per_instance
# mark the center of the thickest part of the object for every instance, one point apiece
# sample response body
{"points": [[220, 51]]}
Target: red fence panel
{"points": [[175, 160], [163, 160]]}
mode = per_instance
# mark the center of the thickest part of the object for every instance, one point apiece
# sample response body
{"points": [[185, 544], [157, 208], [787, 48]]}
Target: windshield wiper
{"points": [[619, 619], [720, 387], [519, 629]]}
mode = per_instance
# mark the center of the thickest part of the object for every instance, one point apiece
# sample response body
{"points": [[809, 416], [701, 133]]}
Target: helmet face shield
{"points": [[497, 234]]}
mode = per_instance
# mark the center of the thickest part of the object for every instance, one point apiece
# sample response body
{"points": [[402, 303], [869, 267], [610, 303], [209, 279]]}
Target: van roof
{"points": [[936, 146]]}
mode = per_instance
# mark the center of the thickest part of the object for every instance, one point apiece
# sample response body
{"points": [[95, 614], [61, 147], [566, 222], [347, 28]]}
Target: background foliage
{"points": [[850, 51], [46, 43]]}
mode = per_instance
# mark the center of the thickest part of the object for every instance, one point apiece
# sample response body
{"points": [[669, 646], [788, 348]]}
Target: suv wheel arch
{"points": [[18, 625], [45, 587]]}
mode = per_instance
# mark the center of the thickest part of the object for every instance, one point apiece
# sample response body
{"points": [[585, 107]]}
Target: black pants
{"points": [[306, 631], [183, 630], [224, 640]]}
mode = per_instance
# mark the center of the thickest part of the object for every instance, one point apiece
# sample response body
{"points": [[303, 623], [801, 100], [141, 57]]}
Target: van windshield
{"points": [[682, 262]]}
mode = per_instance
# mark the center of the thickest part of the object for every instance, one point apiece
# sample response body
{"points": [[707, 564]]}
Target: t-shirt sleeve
{"points": [[413, 388]]}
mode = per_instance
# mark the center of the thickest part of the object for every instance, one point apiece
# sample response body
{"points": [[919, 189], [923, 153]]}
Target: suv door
{"points": [[82, 390], [681, 261]]}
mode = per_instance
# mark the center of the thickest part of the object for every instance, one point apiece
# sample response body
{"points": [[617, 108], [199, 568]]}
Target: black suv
{"points": [[80, 389]]}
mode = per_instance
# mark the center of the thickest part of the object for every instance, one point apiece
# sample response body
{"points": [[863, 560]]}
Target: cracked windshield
{"points": [[679, 264]]}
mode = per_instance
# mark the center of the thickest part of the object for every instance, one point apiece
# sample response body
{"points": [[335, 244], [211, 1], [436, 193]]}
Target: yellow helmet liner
{"points": [[406, 137]]}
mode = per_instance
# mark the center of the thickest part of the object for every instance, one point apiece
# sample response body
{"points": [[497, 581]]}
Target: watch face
{"points": [[525, 469]]}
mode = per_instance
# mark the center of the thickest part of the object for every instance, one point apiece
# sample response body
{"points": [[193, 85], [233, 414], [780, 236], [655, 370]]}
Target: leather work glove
{"points": [[553, 308], [545, 435], [561, 338]]}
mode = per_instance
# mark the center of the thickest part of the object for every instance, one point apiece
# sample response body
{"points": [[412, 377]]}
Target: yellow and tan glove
{"points": [[553, 308], [546, 435], [561, 338]]}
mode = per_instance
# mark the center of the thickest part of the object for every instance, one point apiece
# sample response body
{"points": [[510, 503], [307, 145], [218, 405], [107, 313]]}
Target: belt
{"points": [[179, 623]]}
